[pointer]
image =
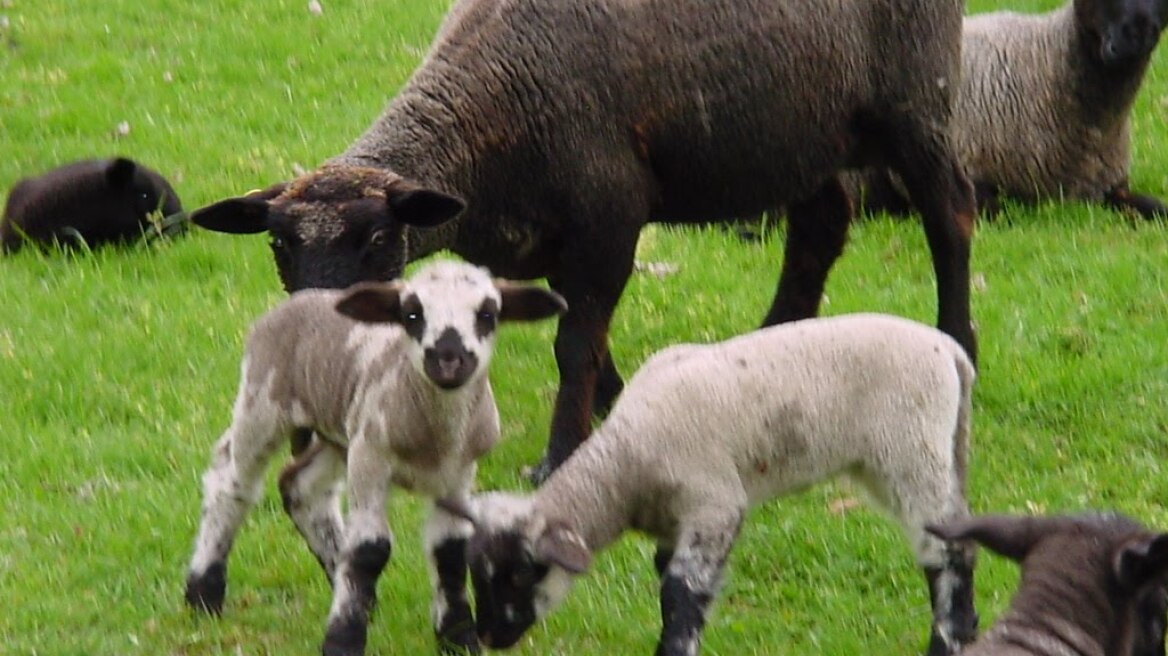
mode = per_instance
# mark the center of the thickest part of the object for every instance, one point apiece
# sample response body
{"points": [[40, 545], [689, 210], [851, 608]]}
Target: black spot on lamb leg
{"points": [[348, 626], [683, 616], [205, 591], [951, 594], [816, 231], [456, 627]]}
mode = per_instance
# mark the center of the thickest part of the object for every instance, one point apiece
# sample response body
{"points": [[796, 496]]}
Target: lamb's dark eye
{"points": [[378, 238], [414, 316], [278, 243], [486, 316]]}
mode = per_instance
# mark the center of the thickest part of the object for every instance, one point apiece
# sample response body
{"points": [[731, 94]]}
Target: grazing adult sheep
{"points": [[1044, 106], [95, 202], [1092, 585], [399, 397], [703, 432], [556, 131]]}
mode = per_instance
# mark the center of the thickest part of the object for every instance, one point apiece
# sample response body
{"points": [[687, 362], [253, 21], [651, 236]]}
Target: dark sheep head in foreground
{"points": [[90, 203], [1092, 585]]}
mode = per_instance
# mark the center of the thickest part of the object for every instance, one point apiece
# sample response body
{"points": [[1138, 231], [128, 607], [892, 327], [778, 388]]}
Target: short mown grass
{"points": [[117, 368]]}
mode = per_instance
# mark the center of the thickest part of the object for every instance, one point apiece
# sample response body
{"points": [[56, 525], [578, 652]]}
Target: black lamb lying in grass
{"points": [[1092, 585], [90, 203]]}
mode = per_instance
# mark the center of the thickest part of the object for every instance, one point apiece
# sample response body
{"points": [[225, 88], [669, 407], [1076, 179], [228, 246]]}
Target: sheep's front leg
{"points": [[231, 486], [816, 231], [310, 488], [366, 551], [690, 577], [1122, 199], [446, 537]]}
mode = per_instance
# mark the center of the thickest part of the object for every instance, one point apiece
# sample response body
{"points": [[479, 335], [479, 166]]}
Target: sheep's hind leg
{"points": [[310, 488], [691, 574], [1121, 199], [366, 551], [445, 542], [816, 231], [231, 486]]}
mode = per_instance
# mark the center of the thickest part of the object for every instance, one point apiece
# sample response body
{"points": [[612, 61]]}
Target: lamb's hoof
{"points": [[539, 473], [345, 638], [457, 636], [205, 593]]}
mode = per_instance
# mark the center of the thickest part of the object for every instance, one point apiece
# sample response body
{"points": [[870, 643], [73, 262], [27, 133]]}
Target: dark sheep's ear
{"points": [[120, 172], [1009, 536], [422, 208], [528, 303], [1141, 561], [244, 215], [372, 302], [560, 545]]}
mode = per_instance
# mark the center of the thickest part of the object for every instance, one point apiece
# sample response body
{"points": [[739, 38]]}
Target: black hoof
{"points": [[205, 593], [457, 635], [346, 638]]}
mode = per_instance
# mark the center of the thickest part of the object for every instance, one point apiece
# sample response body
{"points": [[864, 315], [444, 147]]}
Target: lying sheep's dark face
{"points": [[1123, 31], [334, 227]]}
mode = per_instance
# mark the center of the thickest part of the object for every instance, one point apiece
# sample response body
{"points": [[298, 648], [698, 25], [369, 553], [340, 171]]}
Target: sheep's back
{"points": [[790, 404]]}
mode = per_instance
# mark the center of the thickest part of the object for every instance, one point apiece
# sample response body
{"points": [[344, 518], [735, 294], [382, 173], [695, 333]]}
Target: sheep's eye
{"points": [[414, 316], [278, 243], [378, 238], [486, 316]]}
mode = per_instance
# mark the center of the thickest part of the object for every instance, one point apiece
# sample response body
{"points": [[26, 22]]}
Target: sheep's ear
{"points": [[528, 303], [1140, 561], [460, 507], [422, 208], [560, 545], [120, 172], [372, 302], [243, 215], [1009, 536]]}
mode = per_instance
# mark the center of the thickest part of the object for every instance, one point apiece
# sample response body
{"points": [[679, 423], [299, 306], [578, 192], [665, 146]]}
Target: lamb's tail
{"points": [[966, 373]]}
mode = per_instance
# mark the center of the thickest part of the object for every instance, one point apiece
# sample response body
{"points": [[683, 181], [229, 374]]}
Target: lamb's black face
{"points": [[506, 579], [1123, 31]]}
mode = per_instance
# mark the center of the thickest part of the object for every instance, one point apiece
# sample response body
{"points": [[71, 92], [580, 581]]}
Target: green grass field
{"points": [[117, 369]]}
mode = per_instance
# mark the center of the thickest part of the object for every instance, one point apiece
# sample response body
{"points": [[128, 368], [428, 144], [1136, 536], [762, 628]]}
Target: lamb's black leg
{"points": [[690, 577], [454, 626], [608, 387], [951, 593], [816, 231], [1121, 199]]}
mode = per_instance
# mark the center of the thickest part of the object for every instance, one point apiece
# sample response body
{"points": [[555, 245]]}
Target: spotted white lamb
{"points": [[392, 377], [703, 432], [1092, 585]]}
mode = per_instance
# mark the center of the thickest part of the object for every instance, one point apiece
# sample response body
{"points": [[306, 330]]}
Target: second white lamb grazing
{"points": [[1092, 585], [703, 432], [392, 378]]}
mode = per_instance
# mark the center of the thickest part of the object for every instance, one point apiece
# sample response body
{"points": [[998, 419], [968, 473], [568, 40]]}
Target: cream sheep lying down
{"points": [[701, 433]]}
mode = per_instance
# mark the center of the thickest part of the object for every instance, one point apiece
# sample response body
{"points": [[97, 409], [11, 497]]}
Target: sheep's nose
{"points": [[486, 639], [448, 363]]}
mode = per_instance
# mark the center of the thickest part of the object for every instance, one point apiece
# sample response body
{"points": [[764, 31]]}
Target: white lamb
{"points": [[703, 432], [393, 376]]}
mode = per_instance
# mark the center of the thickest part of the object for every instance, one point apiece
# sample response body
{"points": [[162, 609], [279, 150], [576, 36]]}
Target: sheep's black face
{"points": [[506, 579], [318, 246], [1123, 31], [1151, 617], [336, 226]]}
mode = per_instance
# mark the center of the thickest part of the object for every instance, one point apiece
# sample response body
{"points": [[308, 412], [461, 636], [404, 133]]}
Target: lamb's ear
{"points": [[243, 215], [120, 172], [460, 507], [372, 302], [1143, 560], [1009, 536], [528, 302], [560, 545], [420, 207]]}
